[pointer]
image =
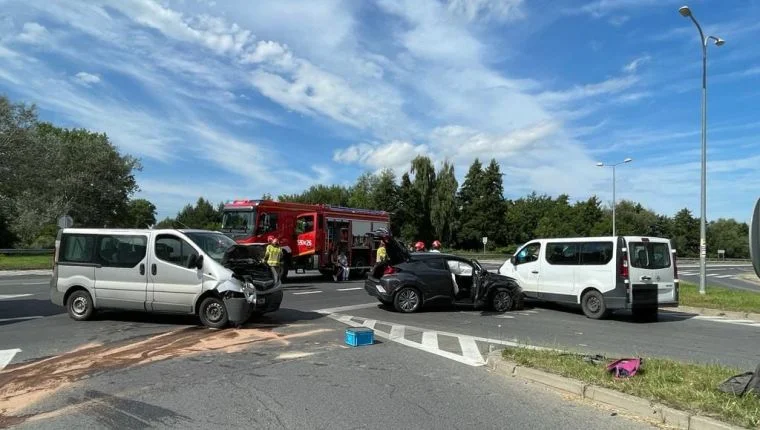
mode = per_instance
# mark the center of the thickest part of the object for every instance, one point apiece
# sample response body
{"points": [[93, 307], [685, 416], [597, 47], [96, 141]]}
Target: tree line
{"points": [[47, 171]]}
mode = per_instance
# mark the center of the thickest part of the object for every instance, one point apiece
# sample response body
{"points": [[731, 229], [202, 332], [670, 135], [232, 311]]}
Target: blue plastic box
{"points": [[358, 336]]}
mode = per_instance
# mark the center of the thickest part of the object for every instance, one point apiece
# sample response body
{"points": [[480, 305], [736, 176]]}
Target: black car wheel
{"points": [[80, 305], [213, 313], [407, 300], [593, 305], [502, 300]]}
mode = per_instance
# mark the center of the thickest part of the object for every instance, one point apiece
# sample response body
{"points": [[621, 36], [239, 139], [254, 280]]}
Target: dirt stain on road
{"points": [[25, 384]]}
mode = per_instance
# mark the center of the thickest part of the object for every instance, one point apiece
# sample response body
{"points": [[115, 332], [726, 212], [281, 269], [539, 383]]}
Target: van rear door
{"points": [[652, 273]]}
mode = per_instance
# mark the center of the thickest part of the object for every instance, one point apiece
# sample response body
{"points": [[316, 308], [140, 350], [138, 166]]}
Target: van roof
{"points": [[600, 238]]}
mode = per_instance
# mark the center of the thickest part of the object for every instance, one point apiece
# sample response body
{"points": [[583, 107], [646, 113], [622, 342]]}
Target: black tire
{"points": [[646, 314], [213, 313], [360, 262], [80, 305], [407, 300], [502, 300], [593, 305]]}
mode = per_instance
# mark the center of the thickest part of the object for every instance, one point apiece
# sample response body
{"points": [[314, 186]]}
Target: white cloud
{"points": [[87, 78], [33, 33], [610, 86], [600, 8], [395, 155], [619, 20], [633, 66], [498, 10]]}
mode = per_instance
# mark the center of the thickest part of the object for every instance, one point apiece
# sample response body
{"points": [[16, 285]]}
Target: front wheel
{"points": [[502, 300], [213, 313], [407, 300], [593, 305]]}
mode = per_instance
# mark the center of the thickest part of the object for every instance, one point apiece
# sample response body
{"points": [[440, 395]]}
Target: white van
{"points": [[179, 271], [602, 274]]}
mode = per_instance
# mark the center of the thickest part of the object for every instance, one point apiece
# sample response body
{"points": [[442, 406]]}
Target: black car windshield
{"points": [[238, 221], [213, 244]]}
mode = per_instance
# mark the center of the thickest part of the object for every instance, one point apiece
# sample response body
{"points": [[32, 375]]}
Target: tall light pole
{"points": [[686, 13], [614, 203]]}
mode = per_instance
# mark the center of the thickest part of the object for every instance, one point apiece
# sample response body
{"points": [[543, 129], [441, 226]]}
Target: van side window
{"points": [[77, 248], [528, 254], [562, 254], [121, 251], [174, 250], [596, 253], [649, 255]]}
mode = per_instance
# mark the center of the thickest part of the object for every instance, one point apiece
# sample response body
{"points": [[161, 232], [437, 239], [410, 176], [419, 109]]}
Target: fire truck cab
{"points": [[311, 236]]}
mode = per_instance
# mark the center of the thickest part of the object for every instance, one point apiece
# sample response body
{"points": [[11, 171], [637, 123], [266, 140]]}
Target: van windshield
{"points": [[649, 255], [213, 244]]}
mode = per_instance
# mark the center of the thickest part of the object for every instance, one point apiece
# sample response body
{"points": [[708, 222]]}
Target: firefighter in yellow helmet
{"points": [[273, 256]]}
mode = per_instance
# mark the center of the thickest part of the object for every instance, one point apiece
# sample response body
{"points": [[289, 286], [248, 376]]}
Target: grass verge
{"points": [[25, 262], [684, 386], [719, 298]]}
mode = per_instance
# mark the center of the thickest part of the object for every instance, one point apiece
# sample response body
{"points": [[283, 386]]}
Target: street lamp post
{"points": [[614, 203], [686, 13]]}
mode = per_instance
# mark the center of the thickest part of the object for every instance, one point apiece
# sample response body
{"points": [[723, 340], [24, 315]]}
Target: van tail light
{"points": [[675, 265], [623, 269], [389, 270]]}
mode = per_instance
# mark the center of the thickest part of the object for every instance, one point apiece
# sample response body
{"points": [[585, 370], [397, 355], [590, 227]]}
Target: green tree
{"points": [[587, 215], [559, 221], [385, 194], [409, 212], [469, 199], [492, 203], [362, 191], [424, 183], [141, 213], [523, 216], [685, 233], [320, 194], [203, 215], [728, 235], [443, 209]]}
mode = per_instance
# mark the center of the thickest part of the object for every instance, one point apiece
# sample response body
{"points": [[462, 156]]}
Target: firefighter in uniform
{"points": [[436, 246], [382, 253], [419, 246], [273, 257]]}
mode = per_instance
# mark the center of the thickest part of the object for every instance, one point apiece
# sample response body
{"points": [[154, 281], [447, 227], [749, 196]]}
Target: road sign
{"points": [[65, 221], [485, 240], [754, 238]]}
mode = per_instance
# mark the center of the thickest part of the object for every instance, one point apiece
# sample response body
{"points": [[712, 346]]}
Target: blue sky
{"points": [[232, 99]]}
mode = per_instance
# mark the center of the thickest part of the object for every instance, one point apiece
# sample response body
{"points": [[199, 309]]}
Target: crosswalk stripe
{"points": [[370, 323], [397, 332]]}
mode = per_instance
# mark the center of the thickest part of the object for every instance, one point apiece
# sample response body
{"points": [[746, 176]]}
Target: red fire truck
{"points": [[311, 235]]}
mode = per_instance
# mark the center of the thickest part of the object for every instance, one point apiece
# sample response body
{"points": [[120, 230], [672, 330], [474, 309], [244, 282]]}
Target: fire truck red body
{"points": [[311, 235]]}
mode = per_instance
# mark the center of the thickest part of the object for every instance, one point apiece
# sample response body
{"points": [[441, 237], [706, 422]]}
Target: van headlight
{"points": [[249, 291]]}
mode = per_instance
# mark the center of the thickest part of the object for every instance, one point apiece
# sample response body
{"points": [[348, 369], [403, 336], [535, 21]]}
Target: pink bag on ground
{"points": [[625, 367]]}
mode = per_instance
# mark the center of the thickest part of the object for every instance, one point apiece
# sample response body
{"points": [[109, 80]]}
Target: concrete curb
{"points": [[715, 313], [10, 273], [630, 404]]}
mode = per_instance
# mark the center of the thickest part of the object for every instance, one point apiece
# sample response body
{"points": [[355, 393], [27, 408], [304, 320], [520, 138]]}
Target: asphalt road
{"points": [[287, 370]]}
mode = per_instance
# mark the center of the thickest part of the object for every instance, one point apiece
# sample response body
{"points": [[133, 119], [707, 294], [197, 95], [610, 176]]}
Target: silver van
{"points": [[197, 272]]}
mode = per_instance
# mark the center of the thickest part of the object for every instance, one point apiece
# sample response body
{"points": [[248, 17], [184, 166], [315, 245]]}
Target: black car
{"points": [[408, 281]]}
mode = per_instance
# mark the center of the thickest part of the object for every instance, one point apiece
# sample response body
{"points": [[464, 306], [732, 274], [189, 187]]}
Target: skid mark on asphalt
{"points": [[470, 350], [24, 384]]}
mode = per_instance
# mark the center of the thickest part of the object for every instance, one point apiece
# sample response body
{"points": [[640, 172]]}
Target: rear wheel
{"points": [[593, 305], [80, 305], [407, 300], [502, 300]]}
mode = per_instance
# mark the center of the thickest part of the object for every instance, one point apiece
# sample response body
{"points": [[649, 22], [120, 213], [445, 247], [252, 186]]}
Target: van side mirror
{"points": [[199, 262], [513, 260], [754, 238]]}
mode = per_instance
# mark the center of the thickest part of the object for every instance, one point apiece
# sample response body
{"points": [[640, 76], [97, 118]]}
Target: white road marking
{"points": [[36, 317], [397, 332], [711, 274], [13, 296], [347, 308], [430, 340], [370, 323], [307, 292], [688, 273], [6, 356], [350, 289], [748, 323], [469, 348], [724, 276]]}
